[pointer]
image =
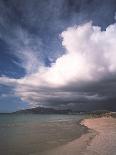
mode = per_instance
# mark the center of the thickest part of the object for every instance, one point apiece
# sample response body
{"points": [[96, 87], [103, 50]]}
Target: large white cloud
{"points": [[90, 56]]}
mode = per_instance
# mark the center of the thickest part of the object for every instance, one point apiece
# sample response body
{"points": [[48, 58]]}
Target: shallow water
{"points": [[30, 133]]}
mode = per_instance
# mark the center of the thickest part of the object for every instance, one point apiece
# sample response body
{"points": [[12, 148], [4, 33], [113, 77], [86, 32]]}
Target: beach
{"points": [[57, 135], [104, 143], [100, 139]]}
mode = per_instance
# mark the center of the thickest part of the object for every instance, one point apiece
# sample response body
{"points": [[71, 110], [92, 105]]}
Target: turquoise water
{"points": [[32, 133]]}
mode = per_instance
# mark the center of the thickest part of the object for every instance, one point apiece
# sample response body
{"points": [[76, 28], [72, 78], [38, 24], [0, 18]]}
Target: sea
{"points": [[30, 134]]}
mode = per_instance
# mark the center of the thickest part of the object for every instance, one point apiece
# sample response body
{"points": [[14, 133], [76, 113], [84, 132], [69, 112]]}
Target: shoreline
{"points": [[32, 135], [93, 142], [78, 136], [70, 148]]}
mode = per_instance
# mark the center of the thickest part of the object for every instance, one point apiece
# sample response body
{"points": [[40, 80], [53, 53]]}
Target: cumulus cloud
{"points": [[89, 55], [88, 60]]}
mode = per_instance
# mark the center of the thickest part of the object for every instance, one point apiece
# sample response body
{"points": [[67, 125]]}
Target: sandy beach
{"points": [[100, 139], [59, 135], [104, 143]]}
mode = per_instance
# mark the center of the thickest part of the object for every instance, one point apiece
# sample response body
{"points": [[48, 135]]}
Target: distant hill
{"points": [[42, 110]]}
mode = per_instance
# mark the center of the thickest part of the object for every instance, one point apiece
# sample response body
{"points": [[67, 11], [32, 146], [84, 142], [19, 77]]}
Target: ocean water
{"points": [[31, 134]]}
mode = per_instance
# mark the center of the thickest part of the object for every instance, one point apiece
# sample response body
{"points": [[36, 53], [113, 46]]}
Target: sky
{"points": [[59, 54]]}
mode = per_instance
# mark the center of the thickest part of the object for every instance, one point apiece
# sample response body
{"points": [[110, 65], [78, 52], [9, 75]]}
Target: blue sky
{"points": [[38, 39]]}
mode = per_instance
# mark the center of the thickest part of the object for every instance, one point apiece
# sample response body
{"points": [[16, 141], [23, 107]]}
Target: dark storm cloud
{"points": [[88, 96], [99, 95]]}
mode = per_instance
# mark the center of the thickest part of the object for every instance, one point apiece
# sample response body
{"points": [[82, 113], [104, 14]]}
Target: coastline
{"points": [[99, 140], [34, 134], [72, 135], [69, 145]]}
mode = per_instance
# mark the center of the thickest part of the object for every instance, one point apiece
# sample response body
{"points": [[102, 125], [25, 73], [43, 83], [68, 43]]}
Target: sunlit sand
{"points": [[104, 142], [100, 140]]}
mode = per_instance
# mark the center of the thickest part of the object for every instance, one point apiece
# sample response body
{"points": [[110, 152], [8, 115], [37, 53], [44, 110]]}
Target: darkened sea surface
{"points": [[29, 134]]}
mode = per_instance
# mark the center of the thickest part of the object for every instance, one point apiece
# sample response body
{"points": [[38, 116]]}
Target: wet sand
{"points": [[100, 139]]}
